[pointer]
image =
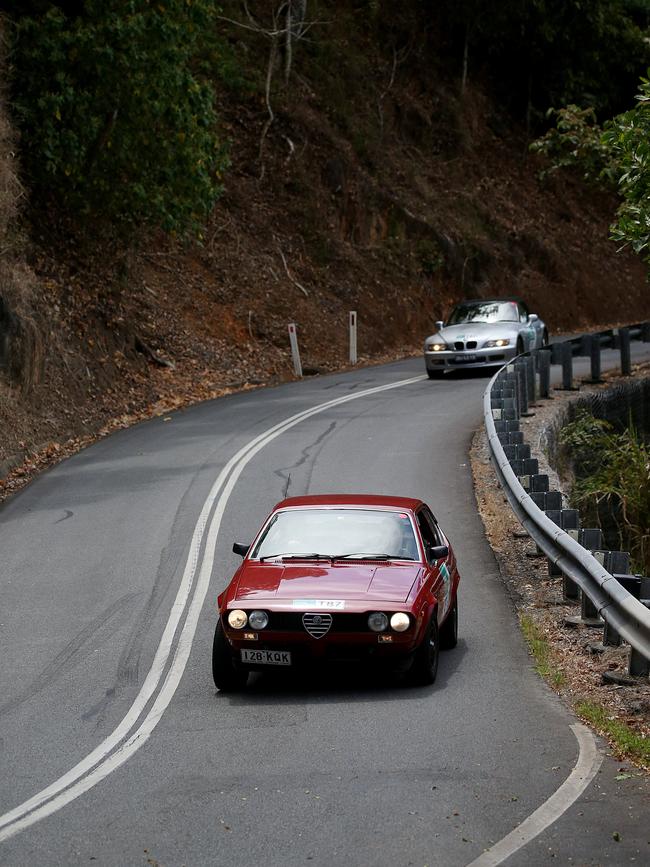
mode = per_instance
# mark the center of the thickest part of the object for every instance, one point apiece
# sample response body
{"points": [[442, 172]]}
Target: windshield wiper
{"points": [[361, 555], [295, 557]]}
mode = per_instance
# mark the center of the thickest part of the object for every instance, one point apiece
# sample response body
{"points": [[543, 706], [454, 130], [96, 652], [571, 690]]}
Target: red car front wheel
{"points": [[227, 675], [449, 629], [425, 663]]}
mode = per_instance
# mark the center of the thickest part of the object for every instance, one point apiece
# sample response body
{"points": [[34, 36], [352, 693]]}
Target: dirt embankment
{"points": [[394, 207]]}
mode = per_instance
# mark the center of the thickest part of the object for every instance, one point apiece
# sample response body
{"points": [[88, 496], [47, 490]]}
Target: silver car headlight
{"points": [[378, 621], [237, 618], [502, 341], [436, 346], [258, 620]]}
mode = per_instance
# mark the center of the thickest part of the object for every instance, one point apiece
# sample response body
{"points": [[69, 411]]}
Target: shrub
{"points": [[576, 141], [612, 486], [115, 124]]}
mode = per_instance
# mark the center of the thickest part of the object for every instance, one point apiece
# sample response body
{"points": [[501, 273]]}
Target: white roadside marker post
{"points": [[353, 336], [295, 352]]}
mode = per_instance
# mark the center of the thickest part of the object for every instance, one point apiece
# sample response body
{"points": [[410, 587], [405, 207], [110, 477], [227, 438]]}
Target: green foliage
{"points": [[627, 741], [628, 138], [115, 123], [576, 141], [619, 154], [542, 653], [612, 484]]}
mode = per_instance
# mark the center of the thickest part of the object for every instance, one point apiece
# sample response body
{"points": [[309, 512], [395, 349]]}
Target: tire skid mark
{"points": [[91, 637], [171, 559]]}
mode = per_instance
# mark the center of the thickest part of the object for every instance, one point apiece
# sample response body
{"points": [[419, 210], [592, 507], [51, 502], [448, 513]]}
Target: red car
{"points": [[339, 578]]}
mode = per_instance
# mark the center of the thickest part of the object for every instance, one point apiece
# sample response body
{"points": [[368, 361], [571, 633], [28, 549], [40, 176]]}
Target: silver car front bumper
{"points": [[452, 360]]}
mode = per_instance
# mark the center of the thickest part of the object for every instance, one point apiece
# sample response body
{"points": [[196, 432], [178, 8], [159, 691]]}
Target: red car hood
{"points": [[283, 583]]}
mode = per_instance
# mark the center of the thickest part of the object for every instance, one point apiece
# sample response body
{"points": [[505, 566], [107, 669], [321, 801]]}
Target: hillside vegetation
{"points": [[181, 180]]}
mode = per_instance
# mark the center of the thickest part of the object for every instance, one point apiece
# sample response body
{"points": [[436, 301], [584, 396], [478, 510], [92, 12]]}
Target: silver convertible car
{"points": [[484, 333]]}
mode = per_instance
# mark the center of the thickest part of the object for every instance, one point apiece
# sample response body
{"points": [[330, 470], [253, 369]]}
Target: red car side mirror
{"points": [[438, 552]]}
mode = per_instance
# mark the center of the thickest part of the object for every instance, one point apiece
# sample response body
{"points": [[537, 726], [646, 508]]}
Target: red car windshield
{"points": [[338, 533]]}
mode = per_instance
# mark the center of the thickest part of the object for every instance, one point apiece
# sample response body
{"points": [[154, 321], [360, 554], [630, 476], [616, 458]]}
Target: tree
{"points": [[628, 138], [115, 125], [283, 23]]}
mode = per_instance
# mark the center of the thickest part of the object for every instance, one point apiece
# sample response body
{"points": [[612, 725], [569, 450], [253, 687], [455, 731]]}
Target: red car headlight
{"points": [[378, 621], [400, 622], [258, 620], [237, 618]]}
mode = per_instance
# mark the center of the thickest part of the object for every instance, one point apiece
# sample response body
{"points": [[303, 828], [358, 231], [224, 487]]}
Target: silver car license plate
{"points": [[465, 359], [266, 657]]}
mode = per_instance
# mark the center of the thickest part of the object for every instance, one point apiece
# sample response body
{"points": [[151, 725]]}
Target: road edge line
{"points": [[589, 761]]}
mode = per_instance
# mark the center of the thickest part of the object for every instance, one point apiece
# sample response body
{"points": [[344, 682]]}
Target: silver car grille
{"points": [[459, 345], [317, 625]]}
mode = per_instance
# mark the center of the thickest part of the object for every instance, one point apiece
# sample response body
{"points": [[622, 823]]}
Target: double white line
{"points": [[172, 653]]}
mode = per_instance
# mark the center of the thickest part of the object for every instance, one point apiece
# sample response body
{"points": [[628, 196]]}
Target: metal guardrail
{"points": [[620, 610]]}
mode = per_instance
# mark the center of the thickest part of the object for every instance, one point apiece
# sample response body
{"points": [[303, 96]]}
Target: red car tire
{"points": [[227, 675], [425, 662], [449, 629]]}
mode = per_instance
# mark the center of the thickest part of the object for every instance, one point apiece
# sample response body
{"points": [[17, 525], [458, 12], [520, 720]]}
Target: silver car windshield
{"points": [[490, 311], [345, 533]]}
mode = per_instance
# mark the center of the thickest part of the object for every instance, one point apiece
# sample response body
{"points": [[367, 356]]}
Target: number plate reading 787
{"points": [[266, 657]]}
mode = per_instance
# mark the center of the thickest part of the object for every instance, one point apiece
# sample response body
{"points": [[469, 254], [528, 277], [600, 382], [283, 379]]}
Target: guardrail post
{"points": [[611, 638], [570, 589], [645, 332], [594, 354], [567, 367], [556, 353], [588, 612], [639, 666], [530, 378], [570, 523], [632, 584], [554, 515], [626, 361], [585, 345], [522, 387], [544, 363]]}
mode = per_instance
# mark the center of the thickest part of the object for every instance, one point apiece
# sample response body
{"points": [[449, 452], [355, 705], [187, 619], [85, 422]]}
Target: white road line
{"points": [[587, 766], [119, 745]]}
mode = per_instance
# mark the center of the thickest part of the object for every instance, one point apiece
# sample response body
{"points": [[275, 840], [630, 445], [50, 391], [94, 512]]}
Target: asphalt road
{"points": [[338, 771]]}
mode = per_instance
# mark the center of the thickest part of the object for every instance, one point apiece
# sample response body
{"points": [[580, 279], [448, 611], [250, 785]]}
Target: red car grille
{"points": [[317, 625], [287, 621]]}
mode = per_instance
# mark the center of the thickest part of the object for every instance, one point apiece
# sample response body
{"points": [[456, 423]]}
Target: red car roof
{"points": [[376, 500]]}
